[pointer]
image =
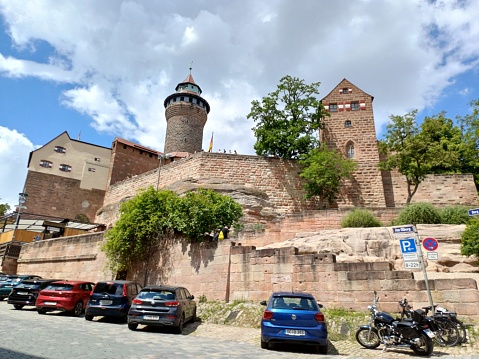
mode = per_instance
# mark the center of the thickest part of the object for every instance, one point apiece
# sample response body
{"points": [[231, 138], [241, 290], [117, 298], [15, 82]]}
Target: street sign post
{"points": [[412, 253]]}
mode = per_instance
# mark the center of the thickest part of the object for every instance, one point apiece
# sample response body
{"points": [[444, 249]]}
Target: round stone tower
{"points": [[186, 113]]}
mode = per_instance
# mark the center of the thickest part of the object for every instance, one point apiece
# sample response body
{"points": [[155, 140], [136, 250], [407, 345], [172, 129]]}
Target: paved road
{"points": [[25, 334]]}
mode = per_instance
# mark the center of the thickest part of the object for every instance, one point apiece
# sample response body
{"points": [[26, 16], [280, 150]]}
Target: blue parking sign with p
{"points": [[408, 245]]}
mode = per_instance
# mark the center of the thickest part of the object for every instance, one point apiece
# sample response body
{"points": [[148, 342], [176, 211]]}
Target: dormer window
{"points": [[60, 149]]}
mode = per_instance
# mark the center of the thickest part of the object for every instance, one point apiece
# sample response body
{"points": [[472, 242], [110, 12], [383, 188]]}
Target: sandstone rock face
{"points": [[374, 244]]}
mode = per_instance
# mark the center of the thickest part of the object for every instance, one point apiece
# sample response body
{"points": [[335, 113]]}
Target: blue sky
{"points": [[102, 68]]}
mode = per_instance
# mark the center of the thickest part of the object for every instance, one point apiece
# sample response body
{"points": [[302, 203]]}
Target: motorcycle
{"points": [[416, 334]]}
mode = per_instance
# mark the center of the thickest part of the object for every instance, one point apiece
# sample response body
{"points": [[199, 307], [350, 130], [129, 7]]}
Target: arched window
{"points": [[350, 150]]}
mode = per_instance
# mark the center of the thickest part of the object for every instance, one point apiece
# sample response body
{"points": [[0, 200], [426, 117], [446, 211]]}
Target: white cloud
{"points": [[14, 152], [125, 57]]}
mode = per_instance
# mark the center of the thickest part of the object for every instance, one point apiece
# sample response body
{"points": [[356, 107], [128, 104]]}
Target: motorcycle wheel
{"points": [[425, 348], [368, 338]]}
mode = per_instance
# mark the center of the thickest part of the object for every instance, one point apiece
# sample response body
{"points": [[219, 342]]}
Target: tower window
{"points": [[46, 164], [65, 168], [91, 169], [60, 149], [182, 98], [345, 90], [350, 150], [347, 123], [333, 107], [355, 106], [97, 159]]}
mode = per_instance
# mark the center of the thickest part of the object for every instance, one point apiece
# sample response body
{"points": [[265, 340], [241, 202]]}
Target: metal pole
{"points": [[421, 260]]}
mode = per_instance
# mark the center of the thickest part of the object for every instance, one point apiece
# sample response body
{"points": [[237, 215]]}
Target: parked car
{"points": [[111, 299], [65, 296], [162, 306], [294, 318], [11, 281], [26, 293]]}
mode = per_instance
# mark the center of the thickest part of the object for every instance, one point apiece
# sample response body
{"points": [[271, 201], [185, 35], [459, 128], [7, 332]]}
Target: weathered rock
{"points": [[373, 244]]}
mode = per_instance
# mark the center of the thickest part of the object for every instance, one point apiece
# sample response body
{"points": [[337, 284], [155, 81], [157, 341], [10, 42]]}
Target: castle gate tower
{"points": [[186, 113], [351, 130]]}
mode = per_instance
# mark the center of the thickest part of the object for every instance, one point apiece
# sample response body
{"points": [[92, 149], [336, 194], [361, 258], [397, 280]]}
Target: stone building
{"points": [[67, 178]]}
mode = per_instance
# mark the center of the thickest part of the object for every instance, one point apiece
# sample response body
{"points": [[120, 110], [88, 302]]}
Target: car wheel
{"points": [[323, 349], [78, 309], [179, 328], [89, 317], [264, 345], [18, 306], [41, 311], [132, 326]]}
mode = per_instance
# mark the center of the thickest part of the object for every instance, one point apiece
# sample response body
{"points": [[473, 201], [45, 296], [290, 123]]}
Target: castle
{"points": [[271, 193], [87, 179]]}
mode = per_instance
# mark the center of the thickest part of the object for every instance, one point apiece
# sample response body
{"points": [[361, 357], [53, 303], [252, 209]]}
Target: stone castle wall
{"points": [[225, 271], [65, 197], [276, 185]]}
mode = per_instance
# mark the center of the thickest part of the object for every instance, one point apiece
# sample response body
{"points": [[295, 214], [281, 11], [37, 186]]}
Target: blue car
{"points": [[294, 318]]}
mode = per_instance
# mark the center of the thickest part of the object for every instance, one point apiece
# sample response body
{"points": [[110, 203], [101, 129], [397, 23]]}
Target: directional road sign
{"points": [[473, 212], [430, 244], [408, 245]]}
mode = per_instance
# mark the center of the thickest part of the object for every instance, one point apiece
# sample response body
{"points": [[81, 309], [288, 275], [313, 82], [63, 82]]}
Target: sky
{"points": [[101, 69]]}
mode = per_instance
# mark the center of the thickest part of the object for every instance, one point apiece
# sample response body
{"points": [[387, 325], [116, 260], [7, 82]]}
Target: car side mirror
{"points": [[320, 305], [192, 297], [263, 302]]}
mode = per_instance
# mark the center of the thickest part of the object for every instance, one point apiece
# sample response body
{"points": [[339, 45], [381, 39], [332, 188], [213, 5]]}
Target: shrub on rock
{"points": [[359, 217]]}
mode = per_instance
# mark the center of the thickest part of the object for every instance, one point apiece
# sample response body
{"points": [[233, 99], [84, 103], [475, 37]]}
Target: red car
{"points": [[66, 296]]}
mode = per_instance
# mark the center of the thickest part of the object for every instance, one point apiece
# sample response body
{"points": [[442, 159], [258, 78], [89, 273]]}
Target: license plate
{"points": [[105, 302], [22, 293], [295, 332], [50, 303], [430, 333], [151, 317]]}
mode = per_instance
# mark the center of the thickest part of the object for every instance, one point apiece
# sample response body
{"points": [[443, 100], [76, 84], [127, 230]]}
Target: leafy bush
{"points": [[470, 239], [359, 217], [454, 215], [418, 213]]}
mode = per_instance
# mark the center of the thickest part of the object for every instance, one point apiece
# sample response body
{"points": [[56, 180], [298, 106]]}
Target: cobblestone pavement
{"points": [[344, 348], [24, 334]]}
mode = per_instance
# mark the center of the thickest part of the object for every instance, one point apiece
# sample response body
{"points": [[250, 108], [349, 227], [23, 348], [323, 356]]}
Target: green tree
{"points": [[288, 120], [470, 128], [154, 215], [4, 208], [324, 170], [416, 151]]}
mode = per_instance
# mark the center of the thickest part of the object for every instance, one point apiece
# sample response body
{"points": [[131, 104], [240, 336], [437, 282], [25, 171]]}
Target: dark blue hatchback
{"points": [[294, 318]]}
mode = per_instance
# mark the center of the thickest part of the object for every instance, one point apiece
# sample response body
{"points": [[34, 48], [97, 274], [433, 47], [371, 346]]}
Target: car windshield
{"points": [[3, 278], [28, 285], [109, 288], [298, 303], [14, 280], [59, 286], [156, 295]]}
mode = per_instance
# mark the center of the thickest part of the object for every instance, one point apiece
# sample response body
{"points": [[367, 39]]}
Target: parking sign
{"points": [[408, 245]]}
